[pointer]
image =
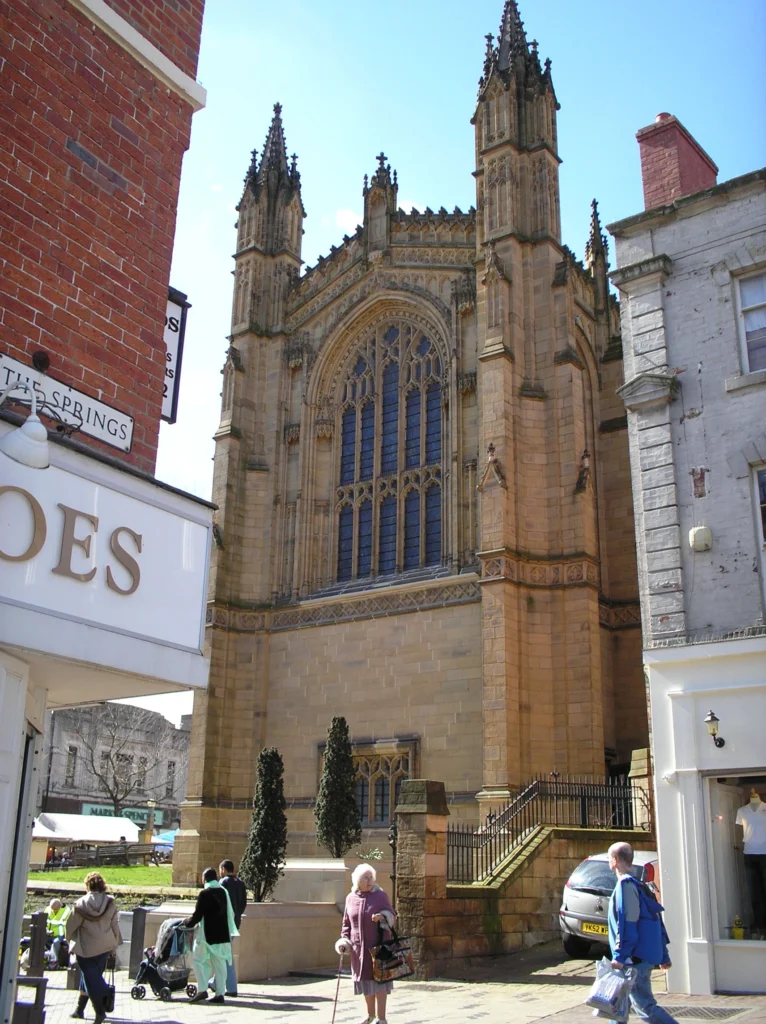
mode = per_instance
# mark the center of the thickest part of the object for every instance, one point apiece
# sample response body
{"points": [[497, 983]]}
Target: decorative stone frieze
{"points": [[344, 609], [508, 565]]}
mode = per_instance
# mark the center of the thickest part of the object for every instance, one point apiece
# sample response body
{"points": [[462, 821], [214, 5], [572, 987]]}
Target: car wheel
{"points": [[576, 947]]}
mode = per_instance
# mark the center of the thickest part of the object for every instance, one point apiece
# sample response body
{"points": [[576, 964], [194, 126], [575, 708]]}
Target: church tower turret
{"points": [[379, 206], [516, 139], [269, 235]]}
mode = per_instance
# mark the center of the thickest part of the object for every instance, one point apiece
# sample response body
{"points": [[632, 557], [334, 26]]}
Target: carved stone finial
{"points": [[492, 469], [381, 158], [277, 109]]}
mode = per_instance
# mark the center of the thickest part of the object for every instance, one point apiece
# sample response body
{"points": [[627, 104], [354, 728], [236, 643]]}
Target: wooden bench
{"points": [[120, 853]]}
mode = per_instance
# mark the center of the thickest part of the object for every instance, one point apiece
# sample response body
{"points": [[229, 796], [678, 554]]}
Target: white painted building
{"points": [[692, 277], [103, 579]]}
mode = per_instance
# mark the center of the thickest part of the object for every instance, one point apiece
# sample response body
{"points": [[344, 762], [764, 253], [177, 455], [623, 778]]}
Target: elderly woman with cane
{"points": [[367, 906]]}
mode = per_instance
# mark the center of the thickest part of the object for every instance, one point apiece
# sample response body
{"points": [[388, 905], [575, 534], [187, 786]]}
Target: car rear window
{"points": [[595, 874]]}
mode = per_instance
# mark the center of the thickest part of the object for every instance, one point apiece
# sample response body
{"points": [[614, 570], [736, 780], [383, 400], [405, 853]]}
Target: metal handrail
{"points": [[475, 854]]}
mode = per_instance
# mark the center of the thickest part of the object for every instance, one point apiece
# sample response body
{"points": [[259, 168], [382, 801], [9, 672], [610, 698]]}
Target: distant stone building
{"points": [[425, 519], [95, 753], [692, 273]]}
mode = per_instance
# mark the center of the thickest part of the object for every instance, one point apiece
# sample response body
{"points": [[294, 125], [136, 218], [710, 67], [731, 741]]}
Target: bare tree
{"points": [[122, 746]]}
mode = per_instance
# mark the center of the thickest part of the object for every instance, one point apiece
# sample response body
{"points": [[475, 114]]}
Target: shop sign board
{"points": [[175, 332], [87, 543], [69, 406], [140, 815]]}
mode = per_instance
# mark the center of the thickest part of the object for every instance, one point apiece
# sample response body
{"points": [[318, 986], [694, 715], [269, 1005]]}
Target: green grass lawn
{"points": [[139, 875]]}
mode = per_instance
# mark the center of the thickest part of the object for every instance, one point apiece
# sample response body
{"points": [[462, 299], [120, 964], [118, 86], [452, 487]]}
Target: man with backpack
{"points": [[637, 934]]}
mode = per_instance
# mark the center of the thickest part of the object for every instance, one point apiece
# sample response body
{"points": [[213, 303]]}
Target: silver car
{"points": [[586, 899]]}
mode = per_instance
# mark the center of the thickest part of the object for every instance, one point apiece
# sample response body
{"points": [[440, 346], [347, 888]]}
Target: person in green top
{"points": [[58, 913]]}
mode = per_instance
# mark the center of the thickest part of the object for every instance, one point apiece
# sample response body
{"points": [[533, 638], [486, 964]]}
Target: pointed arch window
{"points": [[390, 432]]}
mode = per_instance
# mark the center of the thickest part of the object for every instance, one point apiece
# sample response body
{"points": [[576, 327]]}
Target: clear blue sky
{"points": [[354, 78]]}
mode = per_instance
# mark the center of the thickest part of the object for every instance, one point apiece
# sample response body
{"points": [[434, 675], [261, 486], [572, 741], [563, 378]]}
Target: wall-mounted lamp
{"points": [[711, 721], [27, 444]]}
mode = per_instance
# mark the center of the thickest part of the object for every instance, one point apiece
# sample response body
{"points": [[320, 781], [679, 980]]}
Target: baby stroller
{"points": [[165, 966]]}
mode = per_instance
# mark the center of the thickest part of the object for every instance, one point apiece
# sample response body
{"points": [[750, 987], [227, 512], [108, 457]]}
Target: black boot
{"points": [[82, 1002], [98, 1006]]}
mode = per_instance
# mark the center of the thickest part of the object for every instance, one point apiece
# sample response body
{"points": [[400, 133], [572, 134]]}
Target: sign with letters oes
{"points": [[175, 330], [70, 406]]}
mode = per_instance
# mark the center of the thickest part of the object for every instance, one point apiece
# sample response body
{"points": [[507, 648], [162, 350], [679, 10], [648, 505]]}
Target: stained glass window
{"points": [[367, 444], [412, 439], [348, 446], [390, 426], [345, 542], [433, 525], [385, 445], [412, 530], [387, 543], [364, 556], [433, 424]]}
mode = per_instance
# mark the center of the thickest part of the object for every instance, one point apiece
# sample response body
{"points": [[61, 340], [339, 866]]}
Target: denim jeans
{"points": [[643, 1003], [92, 977]]}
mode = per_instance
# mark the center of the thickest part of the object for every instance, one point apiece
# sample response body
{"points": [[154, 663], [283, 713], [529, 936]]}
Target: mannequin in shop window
{"points": [[752, 819]]}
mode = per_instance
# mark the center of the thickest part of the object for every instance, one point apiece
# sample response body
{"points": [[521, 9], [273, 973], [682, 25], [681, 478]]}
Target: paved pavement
{"points": [[536, 985]]}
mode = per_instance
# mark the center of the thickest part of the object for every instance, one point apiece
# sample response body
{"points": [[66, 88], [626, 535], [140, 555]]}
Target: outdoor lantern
{"points": [[27, 444], [711, 721]]}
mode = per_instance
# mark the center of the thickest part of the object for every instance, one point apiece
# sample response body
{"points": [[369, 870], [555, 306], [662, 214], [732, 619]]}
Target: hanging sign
{"points": [[175, 330]]}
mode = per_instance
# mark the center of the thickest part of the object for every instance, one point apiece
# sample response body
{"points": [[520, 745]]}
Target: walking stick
{"points": [[337, 988]]}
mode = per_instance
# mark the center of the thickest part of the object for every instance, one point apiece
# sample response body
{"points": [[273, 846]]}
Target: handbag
{"points": [[109, 995], [392, 958]]}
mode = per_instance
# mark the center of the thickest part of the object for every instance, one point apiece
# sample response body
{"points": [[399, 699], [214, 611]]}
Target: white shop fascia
{"points": [[103, 579]]}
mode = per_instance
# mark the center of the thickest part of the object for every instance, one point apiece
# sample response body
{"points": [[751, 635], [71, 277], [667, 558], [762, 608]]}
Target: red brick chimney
{"points": [[673, 163]]}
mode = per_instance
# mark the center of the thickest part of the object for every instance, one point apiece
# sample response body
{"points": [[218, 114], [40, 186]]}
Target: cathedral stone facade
{"points": [[425, 519]]}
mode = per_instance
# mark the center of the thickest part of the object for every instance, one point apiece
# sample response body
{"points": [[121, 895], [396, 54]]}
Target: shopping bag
{"points": [[109, 996], [610, 994], [391, 959]]}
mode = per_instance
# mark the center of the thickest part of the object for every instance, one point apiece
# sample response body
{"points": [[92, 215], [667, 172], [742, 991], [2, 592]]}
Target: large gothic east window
{"points": [[389, 495]]}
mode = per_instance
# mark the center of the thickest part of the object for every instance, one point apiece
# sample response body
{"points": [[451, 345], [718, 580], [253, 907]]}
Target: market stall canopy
{"points": [[165, 838], [84, 828]]}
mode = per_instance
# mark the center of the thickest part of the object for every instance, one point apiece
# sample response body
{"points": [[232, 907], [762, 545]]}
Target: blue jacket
{"points": [[635, 924]]}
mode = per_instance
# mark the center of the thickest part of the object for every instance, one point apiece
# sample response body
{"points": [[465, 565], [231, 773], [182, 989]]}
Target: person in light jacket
{"points": [[93, 931], [367, 906]]}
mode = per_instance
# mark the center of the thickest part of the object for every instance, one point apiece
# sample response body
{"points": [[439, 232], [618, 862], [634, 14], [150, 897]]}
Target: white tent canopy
{"points": [[84, 828]]}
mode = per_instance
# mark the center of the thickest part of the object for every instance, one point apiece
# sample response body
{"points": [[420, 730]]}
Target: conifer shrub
{"points": [[338, 823], [264, 858]]}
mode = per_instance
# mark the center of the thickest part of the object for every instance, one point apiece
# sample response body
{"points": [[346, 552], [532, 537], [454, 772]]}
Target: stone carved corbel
{"points": [[492, 469], [584, 474]]}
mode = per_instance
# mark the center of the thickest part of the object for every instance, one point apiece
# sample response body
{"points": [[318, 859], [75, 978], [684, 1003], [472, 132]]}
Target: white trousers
{"points": [[207, 965]]}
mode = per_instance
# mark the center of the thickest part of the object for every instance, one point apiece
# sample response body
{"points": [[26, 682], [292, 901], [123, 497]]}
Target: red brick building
{"points": [[103, 569], [97, 102]]}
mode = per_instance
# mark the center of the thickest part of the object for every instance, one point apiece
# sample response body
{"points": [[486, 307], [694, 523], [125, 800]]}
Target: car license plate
{"points": [[595, 929]]}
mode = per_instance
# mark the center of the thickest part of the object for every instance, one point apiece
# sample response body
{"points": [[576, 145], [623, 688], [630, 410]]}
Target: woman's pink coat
{"points": [[361, 930]]}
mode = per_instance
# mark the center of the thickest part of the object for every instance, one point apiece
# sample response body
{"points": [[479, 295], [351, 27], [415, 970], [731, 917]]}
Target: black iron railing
{"points": [[473, 855]]}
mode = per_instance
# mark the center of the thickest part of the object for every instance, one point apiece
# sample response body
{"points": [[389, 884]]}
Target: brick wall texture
{"points": [[673, 163], [89, 177], [173, 26]]}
